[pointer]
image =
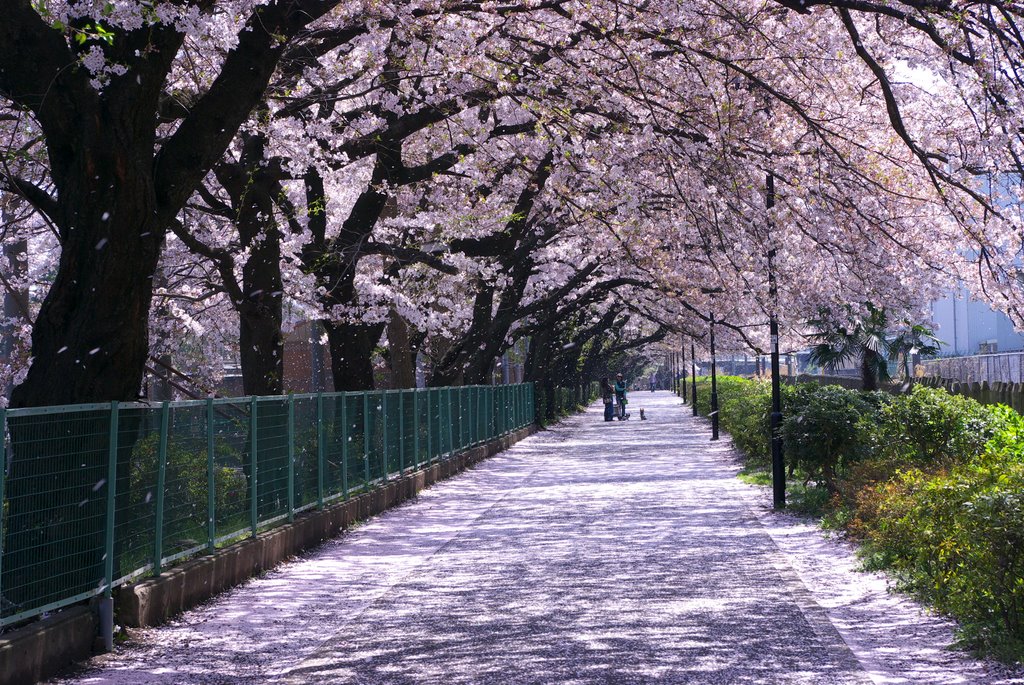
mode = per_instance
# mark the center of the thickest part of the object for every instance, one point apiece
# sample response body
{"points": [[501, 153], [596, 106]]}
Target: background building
{"points": [[968, 327]]}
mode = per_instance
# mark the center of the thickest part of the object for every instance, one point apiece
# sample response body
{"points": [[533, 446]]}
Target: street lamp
{"points": [[778, 467], [714, 384], [693, 378], [675, 373], [682, 367]]}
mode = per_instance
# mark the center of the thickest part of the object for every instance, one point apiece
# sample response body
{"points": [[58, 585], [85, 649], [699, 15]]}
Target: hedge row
{"points": [[931, 483]]}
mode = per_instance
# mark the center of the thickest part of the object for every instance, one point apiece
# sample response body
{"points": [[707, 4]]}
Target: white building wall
{"points": [[965, 325]]}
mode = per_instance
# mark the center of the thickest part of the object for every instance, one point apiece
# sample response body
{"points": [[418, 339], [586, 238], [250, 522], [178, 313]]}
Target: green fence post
{"points": [[458, 412], [430, 430], [477, 433], [401, 432], [344, 444], [319, 450], [291, 457], [520, 407], [416, 428], [474, 414], [107, 603], [467, 402], [366, 437], [253, 446], [512, 410], [451, 428], [463, 393], [515, 407], [161, 485], [385, 464], [211, 482]]}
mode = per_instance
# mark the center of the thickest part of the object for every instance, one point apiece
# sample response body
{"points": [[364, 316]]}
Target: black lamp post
{"points": [[693, 378], [778, 467], [675, 373], [714, 384], [682, 368]]}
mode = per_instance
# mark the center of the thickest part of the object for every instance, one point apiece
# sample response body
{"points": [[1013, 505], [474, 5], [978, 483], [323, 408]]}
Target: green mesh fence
{"points": [[96, 495]]}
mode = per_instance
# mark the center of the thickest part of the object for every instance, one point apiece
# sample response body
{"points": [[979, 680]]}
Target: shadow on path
{"points": [[590, 553]]}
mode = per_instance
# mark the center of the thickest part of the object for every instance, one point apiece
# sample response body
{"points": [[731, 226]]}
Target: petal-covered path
{"points": [[590, 553]]}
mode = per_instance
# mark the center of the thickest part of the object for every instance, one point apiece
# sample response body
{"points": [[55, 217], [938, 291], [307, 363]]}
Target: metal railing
{"points": [[94, 496]]}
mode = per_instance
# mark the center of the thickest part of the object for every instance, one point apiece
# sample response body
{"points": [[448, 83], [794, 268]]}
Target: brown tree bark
{"points": [[400, 353]]}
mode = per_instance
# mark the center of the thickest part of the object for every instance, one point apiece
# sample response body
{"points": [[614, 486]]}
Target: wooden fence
{"points": [[848, 382], [1010, 394]]}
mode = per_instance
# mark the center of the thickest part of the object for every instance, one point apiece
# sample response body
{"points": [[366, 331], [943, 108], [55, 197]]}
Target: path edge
{"points": [[47, 647]]}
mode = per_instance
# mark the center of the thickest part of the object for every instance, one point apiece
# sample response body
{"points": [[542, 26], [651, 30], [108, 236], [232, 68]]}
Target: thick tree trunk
{"points": [[401, 355], [90, 339], [869, 370], [538, 371], [261, 314], [352, 347], [261, 347]]}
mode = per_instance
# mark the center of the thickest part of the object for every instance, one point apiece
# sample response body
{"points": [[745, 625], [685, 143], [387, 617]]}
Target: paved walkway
{"points": [[590, 553]]}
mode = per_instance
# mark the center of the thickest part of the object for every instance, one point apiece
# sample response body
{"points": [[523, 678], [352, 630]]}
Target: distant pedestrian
{"points": [[620, 396], [607, 395]]}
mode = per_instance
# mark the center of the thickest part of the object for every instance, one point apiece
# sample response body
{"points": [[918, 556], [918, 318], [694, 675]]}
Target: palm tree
{"points": [[839, 342], [914, 339]]}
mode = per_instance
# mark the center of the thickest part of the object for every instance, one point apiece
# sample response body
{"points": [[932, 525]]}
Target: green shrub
{"points": [[932, 482], [186, 476], [828, 429], [930, 427], [1007, 441], [743, 411], [957, 540]]}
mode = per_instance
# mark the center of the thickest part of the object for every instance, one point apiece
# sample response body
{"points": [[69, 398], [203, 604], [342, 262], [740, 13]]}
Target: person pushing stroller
{"points": [[620, 397]]}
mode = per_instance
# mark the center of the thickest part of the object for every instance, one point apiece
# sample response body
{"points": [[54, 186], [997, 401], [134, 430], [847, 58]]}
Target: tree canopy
{"points": [[451, 177]]}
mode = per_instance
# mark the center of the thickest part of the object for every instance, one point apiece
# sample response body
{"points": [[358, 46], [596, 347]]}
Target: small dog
{"points": [[642, 417]]}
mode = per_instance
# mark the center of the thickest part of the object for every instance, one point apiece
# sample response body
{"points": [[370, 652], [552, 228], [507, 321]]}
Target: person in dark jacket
{"points": [[620, 396], [607, 394]]}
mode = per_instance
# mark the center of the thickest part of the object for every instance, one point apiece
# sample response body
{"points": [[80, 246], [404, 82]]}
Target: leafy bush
{"points": [[1007, 441], [186, 475], [957, 540], [743, 410], [932, 482], [829, 429], [932, 427]]}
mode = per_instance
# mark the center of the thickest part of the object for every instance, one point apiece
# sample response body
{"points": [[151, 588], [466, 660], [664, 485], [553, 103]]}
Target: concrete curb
{"points": [[44, 648]]}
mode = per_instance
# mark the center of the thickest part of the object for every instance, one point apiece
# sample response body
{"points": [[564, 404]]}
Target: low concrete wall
{"points": [[43, 648]]}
